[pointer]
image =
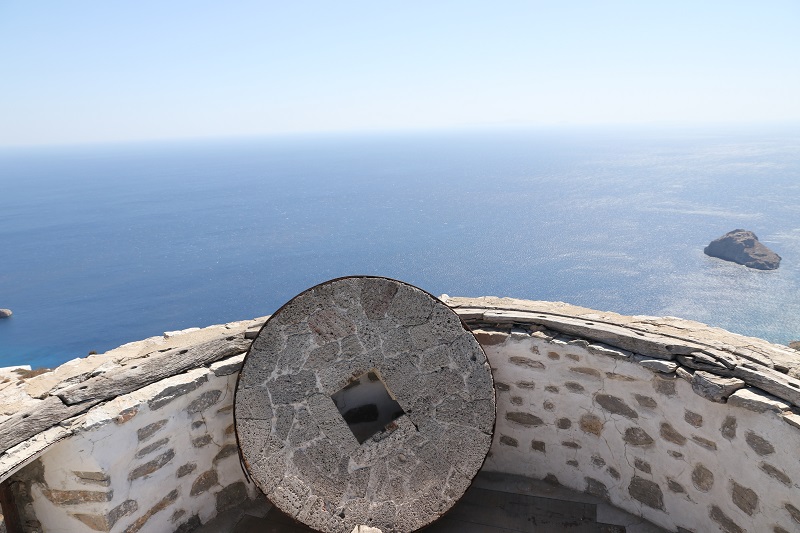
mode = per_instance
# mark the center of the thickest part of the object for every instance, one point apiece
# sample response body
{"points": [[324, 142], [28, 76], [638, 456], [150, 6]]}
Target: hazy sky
{"points": [[88, 71]]}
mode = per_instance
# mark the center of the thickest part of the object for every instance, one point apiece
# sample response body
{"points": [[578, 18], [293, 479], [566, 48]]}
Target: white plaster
{"points": [[732, 460], [104, 445]]}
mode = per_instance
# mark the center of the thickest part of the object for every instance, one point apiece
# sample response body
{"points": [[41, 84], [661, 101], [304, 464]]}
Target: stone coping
{"points": [[40, 410]]}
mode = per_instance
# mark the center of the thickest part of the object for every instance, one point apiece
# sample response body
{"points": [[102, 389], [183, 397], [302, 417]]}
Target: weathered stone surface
{"points": [[702, 478], [692, 418], [185, 470], [5, 313], [165, 502], [150, 429], [508, 441], [204, 401], [183, 385], [647, 492], [150, 448], [776, 473], [675, 487], [783, 386], [192, 524], [573, 387], [715, 388], [40, 415], [524, 419], [586, 371], [794, 512], [724, 521], [645, 401], [602, 333], [672, 435], [204, 481], [538, 446], [104, 522], [296, 442], [590, 423], [745, 498], [759, 444], [705, 443], [93, 478], [728, 428], [702, 361], [563, 423], [151, 466], [231, 496], [227, 366], [202, 440], [154, 368], [225, 451], [636, 436], [664, 384], [743, 247], [526, 362], [684, 374], [757, 401], [615, 405], [490, 337], [658, 365], [76, 497], [596, 488], [641, 464]]}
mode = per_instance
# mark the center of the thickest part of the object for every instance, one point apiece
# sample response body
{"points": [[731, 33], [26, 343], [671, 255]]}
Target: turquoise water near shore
{"points": [[103, 245]]}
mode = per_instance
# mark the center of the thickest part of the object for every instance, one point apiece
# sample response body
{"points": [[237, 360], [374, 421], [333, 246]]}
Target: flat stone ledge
{"points": [[662, 344], [297, 446]]}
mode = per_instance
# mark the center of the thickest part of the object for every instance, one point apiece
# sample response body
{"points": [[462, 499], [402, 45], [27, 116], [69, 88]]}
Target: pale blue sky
{"points": [[89, 71]]}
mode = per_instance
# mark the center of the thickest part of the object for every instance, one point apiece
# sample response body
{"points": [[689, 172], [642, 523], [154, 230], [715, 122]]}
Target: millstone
{"points": [[364, 402]]}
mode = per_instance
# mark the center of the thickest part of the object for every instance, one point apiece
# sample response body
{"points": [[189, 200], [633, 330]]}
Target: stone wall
{"points": [[685, 449], [163, 458], [691, 427]]}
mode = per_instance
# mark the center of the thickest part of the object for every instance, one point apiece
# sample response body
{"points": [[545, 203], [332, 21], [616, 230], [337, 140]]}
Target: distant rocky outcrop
{"points": [[742, 246], [795, 345], [5, 313]]}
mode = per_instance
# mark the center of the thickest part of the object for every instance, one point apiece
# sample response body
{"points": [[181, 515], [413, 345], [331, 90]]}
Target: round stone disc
{"points": [[364, 401]]}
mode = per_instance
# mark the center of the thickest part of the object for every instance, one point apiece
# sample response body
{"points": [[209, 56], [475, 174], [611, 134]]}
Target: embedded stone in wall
{"points": [[702, 478], [745, 498], [151, 466], [104, 522], [615, 405], [759, 444], [646, 491], [366, 401], [725, 522], [590, 423], [728, 428], [636, 436]]}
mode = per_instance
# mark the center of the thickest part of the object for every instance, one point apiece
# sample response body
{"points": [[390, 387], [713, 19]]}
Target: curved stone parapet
{"points": [[364, 402], [692, 427]]}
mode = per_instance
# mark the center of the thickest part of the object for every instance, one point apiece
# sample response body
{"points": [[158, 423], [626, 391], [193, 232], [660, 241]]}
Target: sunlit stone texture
{"points": [[415, 415]]}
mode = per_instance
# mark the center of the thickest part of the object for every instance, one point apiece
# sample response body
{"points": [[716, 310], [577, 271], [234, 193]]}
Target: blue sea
{"points": [[103, 245]]}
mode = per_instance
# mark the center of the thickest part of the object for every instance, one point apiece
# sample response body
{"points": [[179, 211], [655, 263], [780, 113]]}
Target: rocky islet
{"points": [[743, 247]]}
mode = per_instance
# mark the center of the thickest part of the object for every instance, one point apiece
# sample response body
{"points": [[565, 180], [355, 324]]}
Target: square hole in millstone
{"points": [[367, 405]]}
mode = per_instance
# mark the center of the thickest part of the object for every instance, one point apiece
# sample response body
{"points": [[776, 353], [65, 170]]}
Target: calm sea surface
{"points": [[109, 244]]}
